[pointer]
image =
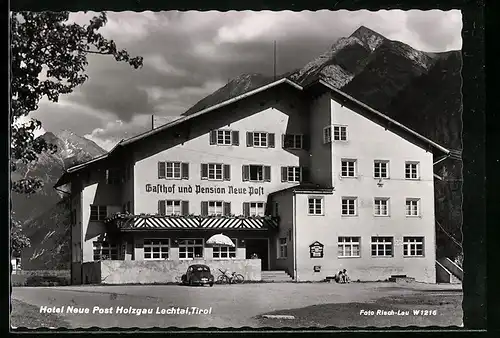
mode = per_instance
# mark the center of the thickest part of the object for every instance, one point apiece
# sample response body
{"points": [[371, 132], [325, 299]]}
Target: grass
{"points": [[447, 304], [29, 316]]}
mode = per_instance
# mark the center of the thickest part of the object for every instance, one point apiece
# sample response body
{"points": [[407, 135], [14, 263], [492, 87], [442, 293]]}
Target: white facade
{"points": [[197, 168]]}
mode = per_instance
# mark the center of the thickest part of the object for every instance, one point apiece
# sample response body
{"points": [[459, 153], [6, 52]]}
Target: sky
{"points": [[189, 55]]}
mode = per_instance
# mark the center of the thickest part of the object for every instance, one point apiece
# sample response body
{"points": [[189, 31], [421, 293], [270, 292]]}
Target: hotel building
{"points": [[308, 179]]}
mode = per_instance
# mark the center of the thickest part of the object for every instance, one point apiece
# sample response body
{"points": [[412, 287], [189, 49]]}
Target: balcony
{"points": [[128, 222]]}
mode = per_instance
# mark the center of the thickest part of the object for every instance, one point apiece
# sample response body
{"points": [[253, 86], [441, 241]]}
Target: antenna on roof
{"points": [[274, 60]]}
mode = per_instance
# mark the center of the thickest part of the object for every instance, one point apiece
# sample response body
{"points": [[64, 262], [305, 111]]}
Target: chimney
{"points": [[152, 122], [274, 60]]}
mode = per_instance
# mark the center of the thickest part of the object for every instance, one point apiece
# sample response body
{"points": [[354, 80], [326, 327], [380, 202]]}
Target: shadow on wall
{"points": [[91, 273]]}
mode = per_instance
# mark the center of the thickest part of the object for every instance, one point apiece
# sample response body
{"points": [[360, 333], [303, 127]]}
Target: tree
{"points": [[48, 58]]}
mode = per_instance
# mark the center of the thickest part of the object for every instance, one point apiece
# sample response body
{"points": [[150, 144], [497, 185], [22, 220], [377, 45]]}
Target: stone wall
{"points": [[144, 272]]}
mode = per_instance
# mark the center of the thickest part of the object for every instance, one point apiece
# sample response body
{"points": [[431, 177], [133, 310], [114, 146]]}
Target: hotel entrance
{"points": [[260, 247]]}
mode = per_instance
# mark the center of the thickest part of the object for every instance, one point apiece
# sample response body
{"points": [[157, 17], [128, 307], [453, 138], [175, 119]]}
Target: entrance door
{"points": [[260, 247]]}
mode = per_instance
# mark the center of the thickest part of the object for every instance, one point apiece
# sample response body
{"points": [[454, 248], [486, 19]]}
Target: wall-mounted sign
{"points": [[198, 189], [316, 250], [317, 268]]}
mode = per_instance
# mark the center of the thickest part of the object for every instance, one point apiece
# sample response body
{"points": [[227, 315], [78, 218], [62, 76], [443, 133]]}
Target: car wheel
{"points": [[211, 284]]}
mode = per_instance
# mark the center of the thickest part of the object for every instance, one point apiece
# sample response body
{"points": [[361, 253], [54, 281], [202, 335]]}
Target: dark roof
{"points": [[306, 188], [314, 86]]}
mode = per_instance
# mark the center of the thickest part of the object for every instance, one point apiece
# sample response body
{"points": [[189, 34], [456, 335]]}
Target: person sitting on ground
{"points": [[346, 278], [339, 277]]}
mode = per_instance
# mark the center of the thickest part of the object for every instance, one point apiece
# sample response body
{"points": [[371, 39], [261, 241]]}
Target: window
{"points": [[381, 169], [292, 141], [382, 246], [254, 209], [104, 251], [348, 168], [349, 206], [381, 207], [411, 170], [327, 134], [349, 247], [215, 208], [413, 246], [257, 173], [215, 171], [190, 248], [257, 208], [275, 211], [340, 133], [282, 248], [113, 176], [169, 207], [315, 206], [260, 140], [156, 249], [225, 137], [225, 252], [98, 212], [173, 170], [412, 207]]}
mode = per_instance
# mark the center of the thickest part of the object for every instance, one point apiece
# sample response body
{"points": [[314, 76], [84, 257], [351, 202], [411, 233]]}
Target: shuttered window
{"points": [[256, 173], [173, 207], [215, 208], [225, 137], [173, 170], [215, 171], [260, 140], [98, 212], [294, 174]]}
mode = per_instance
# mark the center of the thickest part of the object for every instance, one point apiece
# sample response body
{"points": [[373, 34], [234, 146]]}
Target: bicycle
{"points": [[233, 278]]}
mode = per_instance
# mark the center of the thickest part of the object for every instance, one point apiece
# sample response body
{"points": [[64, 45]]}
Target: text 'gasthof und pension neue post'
{"points": [[126, 310]]}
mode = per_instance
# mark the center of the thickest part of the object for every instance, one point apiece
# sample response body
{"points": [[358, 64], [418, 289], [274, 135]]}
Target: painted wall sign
{"points": [[316, 250], [198, 189]]}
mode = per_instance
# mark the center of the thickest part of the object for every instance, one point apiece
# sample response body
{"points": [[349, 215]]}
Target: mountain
{"points": [[43, 215], [419, 89]]}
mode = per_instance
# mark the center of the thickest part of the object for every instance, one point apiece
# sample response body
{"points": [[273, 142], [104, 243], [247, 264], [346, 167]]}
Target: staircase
{"points": [[448, 272], [276, 276]]}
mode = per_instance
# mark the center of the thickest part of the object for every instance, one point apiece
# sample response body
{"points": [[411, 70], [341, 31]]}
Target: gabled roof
{"points": [[320, 82]]}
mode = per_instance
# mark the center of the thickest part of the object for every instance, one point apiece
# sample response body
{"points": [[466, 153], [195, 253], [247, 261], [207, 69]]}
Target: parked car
{"points": [[198, 274]]}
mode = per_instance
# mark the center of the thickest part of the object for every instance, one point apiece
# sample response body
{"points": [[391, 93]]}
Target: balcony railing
{"points": [[124, 221]]}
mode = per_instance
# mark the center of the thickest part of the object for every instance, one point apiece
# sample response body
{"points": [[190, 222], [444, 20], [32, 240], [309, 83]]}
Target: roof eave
{"points": [[365, 106]]}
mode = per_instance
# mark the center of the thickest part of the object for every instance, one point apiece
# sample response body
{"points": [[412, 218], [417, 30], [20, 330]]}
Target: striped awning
{"points": [[139, 222]]}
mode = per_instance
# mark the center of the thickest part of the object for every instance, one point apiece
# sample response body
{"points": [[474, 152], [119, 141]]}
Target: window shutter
{"points": [[185, 208], [306, 142], [213, 137], [204, 208], [185, 171], [161, 207], [267, 173], [284, 174], [235, 137], [204, 171], [161, 170], [246, 209], [107, 176], [249, 139], [227, 172], [283, 141], [246, 173], [227, 208], [304, 174], [270, 140]]}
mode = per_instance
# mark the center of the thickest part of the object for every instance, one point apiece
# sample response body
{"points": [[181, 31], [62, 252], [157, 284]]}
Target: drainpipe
{"points": [[294, 224]]}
